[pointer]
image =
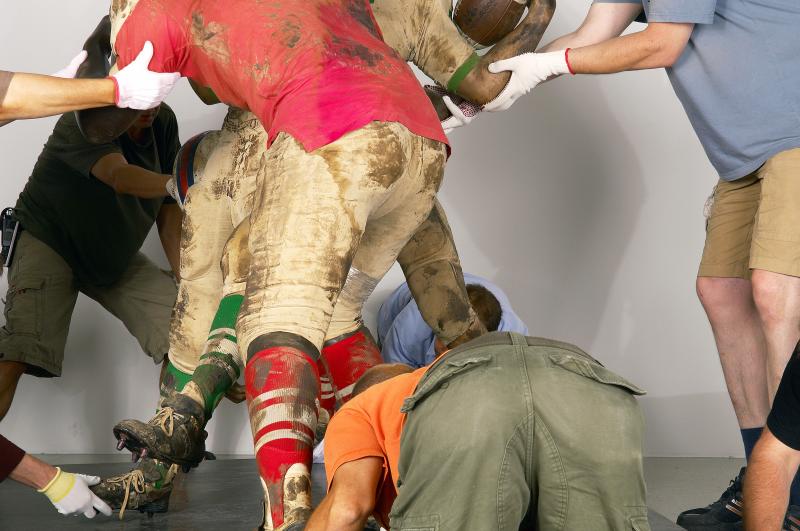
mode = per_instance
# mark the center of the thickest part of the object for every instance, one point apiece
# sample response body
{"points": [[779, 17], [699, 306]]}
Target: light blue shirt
{"points": [[406, 338], [739, 77]]}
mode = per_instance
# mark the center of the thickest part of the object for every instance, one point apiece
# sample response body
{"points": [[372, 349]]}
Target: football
{"points": [[487, 21]]}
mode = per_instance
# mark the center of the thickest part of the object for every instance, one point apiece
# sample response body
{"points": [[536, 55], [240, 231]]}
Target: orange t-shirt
{"points": [[370, 425]]}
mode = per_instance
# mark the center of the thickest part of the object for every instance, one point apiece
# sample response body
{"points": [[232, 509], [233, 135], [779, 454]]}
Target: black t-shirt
{"points": [[784, 419], [94, 229]]}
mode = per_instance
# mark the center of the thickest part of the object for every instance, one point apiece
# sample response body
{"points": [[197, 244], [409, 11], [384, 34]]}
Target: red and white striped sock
{"points": [[347, 358], [282, 385]]}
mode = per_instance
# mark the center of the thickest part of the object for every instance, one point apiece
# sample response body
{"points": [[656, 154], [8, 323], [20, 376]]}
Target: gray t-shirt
{"points": [[739, 77]]}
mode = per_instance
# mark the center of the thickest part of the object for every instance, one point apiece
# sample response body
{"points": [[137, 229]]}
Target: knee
{"points": [[10, 373], [769, 299], [723, 294]]}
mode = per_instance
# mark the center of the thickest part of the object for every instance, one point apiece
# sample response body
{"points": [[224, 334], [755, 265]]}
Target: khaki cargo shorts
{"points": [[41, 297], [754, 222]]}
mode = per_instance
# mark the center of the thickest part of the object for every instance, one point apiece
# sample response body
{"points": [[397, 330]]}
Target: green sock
{"points": [[219, 368], [173, 381]]}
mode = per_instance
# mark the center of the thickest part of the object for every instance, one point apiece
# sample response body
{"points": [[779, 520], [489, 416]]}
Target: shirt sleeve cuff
{"points": [[10, 456], [787, 436], [706, 17]]}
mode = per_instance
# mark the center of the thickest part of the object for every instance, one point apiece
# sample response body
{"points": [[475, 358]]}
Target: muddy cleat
{"points": [[296, 501], [145, 489], [725, 514], [175, 434]]}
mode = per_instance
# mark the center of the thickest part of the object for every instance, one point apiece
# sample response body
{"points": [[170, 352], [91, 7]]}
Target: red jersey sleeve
{"points": [[147, 22], [10, 456]]}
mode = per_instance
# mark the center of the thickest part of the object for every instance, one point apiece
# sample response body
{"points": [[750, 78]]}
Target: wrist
{"points": [[566, 60], [116, 94], [47, 480]]}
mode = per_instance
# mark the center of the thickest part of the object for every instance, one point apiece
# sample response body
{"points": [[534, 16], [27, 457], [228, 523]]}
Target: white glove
{"points": [[462, 114], [71, 495], [527, 71], [138, 87], [71, 69], [172, 191]]}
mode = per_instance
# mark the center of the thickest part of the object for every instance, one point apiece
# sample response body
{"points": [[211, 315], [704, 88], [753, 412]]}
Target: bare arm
{"points": [[124, 178], [103, 124], [604, 21], [205, 94], [36, 96], [169, 222], [658, 46], [770, 471], [351, 499], [33, 472]]}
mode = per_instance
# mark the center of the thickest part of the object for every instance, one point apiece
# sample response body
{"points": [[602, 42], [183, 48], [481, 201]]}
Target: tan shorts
{"points": [[754, 222], [42, 294]]}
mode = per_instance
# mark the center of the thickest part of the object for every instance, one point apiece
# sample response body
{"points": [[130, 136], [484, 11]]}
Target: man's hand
{"points": [[461, 114], [138, 87], [527, 72], [71, 69], [70, 494]]}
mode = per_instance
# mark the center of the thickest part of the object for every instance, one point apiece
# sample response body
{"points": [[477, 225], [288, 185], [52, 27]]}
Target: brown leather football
{"points": [[487, 21]]}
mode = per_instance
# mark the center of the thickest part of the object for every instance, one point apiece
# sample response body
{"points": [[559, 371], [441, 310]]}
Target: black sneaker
{"points": [[791, 521], [722, 515]]}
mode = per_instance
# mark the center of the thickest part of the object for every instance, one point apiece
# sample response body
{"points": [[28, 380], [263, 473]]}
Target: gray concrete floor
{"points": [[223, 489]]}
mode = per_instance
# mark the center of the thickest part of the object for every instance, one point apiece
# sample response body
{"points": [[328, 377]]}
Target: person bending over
{"points": [[405, 337], [84, 214], [558, 435], [69, 493]]}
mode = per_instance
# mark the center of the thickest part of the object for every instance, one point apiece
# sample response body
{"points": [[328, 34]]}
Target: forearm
{"points": [[35, 96], [638, 51], [767, 494], [139, 182], [169, 223], [481, 86], [33, 472], [770, 471], [329, 517]]}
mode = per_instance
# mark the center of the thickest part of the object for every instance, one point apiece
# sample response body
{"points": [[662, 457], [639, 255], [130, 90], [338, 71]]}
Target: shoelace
{"points": [[134, 479], [165, 419]]}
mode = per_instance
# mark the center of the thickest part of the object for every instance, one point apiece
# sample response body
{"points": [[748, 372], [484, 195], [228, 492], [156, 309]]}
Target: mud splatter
{"points": [[359, 10], [210, 38], [290, 32], [387, 158]]}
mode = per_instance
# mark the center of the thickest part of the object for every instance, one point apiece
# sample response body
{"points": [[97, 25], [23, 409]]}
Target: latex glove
{"points": [[71, 69], [140, 88], [462, 114], [70, 494], [527, 71]]}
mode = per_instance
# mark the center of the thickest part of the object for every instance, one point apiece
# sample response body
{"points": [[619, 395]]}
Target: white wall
{"points": [[584, 202]]}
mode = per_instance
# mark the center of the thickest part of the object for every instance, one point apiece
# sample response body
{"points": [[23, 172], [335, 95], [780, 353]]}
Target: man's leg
{"points": [[38, 309], [725, 291], [775, 261], [302, 248], [10, 373]]}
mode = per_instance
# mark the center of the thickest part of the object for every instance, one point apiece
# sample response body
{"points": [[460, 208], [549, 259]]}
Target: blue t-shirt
{"points": [[739, 77], [406, 338]]}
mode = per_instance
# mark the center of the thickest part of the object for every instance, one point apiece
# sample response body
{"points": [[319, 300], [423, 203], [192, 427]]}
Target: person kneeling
{"points": [[498, 433]]}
